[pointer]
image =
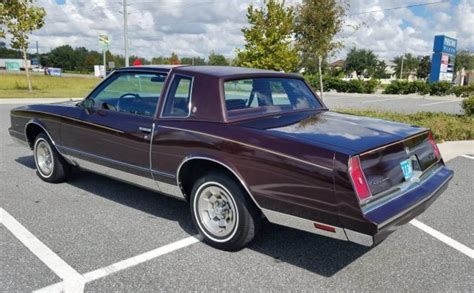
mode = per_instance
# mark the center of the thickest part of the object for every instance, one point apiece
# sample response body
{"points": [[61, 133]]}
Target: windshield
{"points": [[267, 95]]}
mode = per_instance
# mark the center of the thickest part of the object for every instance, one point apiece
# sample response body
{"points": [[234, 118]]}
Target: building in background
{"points": [[13, 64]]}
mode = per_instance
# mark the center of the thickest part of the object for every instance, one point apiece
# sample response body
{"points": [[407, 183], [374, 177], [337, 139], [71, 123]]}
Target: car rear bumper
{"points": [[403, 208]]}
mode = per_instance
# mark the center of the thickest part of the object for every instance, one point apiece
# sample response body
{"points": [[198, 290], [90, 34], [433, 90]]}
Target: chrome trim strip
{"points": [[303, 224], [248, 145], [190, 158], [148, 183], [120, 162], [77, 120], [190, 97], [388, 221], [398, 191], [359, 238], [393, 143]]}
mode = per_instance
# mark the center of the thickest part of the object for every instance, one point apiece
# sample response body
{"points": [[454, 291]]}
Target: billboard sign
{"points": [[442, 61], [104, 41], [13, 65]]}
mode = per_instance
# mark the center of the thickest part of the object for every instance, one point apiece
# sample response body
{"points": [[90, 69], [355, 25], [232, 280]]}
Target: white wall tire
{"points": [[50, 165], [222, 213]]}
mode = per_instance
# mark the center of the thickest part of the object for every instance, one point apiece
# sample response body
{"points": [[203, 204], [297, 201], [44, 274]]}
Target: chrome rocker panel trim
{"points": [[308, 226]]}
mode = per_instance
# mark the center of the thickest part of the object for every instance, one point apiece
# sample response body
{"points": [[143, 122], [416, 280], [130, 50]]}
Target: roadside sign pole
{"points": [[105, 68]]}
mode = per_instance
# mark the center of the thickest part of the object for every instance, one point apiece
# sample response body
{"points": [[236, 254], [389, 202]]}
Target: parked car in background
{"points": [[241, 145]]}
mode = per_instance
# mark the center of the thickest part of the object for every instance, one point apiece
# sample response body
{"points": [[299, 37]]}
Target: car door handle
{"points": [[144, 129]]}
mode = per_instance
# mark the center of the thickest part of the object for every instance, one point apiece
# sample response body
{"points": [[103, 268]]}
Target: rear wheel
{"points": [[223, 213], [50, 166]]}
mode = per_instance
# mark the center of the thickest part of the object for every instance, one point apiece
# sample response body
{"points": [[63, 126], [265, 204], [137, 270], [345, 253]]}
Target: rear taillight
{"points": [[358, 178], [435, 147]]}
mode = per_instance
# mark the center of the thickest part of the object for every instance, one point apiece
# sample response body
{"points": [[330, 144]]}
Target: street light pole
{"points": [[125, 31]]}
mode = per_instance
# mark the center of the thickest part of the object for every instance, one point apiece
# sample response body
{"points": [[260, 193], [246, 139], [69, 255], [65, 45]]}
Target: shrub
{"points": [[441, 88], [420, 87], [371, 85], [398, 87], [464, 91], [444, 126], [355, 86], [468, 106]]}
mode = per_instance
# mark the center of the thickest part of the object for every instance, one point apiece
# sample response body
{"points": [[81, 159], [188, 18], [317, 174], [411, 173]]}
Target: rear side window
{"points": [[178, 101], [266, 95]]}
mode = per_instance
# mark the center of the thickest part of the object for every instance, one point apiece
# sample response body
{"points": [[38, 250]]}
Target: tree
{"points": [[316, 24], [380, 70], [361, 61], [410, 64], [217, 59], [63, 57], [174, 59], [464, 59], [20, 19], [424, 67], [193, 61], [268, 39]]}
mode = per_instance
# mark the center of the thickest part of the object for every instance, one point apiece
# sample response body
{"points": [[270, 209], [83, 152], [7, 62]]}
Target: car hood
{"points": [[343, 131]]}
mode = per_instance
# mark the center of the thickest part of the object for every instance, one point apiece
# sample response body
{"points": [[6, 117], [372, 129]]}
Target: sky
{"points": [[197, 27]]}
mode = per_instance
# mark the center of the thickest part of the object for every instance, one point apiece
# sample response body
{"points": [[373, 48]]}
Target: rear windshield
{"points": [[267, 95]]}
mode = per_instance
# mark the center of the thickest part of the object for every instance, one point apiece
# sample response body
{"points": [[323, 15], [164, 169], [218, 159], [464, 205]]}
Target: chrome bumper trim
{"points": [[302, 224]]}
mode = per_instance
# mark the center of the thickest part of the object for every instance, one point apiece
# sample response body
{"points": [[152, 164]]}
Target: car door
{"points": [[114, 136]]}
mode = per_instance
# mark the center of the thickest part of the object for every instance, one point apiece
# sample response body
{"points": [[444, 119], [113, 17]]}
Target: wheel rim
{"points": [[216, 210], [44, 158]]}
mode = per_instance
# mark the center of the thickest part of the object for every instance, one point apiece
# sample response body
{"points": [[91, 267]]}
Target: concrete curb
{"points": [[451, 149]]}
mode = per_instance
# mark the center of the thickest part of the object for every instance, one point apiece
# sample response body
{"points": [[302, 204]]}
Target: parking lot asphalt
{"points": [[394, 103], [92, 222]]}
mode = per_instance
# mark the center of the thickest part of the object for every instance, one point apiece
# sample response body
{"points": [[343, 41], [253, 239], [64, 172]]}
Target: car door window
{"points": [[179, 97], [135, 93]]}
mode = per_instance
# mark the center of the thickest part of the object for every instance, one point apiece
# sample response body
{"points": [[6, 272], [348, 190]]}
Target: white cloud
{"points": [[197, 27]]}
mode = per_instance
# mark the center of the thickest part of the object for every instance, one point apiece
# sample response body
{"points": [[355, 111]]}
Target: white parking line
{"points": [[124, 264], [443, 238], [141, 258], [468, 156], [72, 279], [383, 100], [436, 103]]}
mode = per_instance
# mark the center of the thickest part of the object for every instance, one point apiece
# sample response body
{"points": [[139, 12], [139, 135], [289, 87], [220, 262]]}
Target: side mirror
{"points": [[88, 105]]}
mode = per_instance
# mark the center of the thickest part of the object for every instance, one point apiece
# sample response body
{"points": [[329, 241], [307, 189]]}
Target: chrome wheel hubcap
{"points": [[44, 158], [217, 211]]}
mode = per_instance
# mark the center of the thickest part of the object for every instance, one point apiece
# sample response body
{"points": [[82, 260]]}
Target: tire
{"points": [[50, 165], [223, 213]]}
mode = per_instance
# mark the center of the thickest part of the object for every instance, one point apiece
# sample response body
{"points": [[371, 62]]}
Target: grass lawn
{"points": [[445, 127], [15, 86]]}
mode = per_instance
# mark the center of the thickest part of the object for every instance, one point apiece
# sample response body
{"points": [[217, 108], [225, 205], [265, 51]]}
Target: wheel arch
{"points": [[32, 129], [185, 175]]}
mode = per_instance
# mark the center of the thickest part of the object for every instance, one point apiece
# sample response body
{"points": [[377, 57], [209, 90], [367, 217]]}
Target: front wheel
{"points": [[223, 213], [50, 166]]}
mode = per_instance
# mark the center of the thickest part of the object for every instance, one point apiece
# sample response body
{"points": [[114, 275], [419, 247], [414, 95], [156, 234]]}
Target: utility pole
{"points": [[125, 31], [105, 66], [401, 69], [37, 52]]}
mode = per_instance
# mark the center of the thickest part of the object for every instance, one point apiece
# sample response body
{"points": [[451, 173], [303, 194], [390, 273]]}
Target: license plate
{"points": [[407, 169]]}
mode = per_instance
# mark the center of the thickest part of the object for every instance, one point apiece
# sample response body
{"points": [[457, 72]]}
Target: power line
{"points": [[399, 7]]}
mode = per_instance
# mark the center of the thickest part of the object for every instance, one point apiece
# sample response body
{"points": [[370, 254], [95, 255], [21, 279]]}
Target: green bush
{"points": [[355, 86], [420, 87], [444, 126], [464, 91], [371, 85], [441, 88], [399, 87], [468, 106]]}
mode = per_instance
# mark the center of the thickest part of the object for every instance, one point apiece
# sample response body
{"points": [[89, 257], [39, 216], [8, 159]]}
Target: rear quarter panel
{"points": [[287, 184]]}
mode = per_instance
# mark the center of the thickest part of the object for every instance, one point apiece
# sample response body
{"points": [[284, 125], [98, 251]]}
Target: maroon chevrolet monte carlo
{"points": [[241, 145]]}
